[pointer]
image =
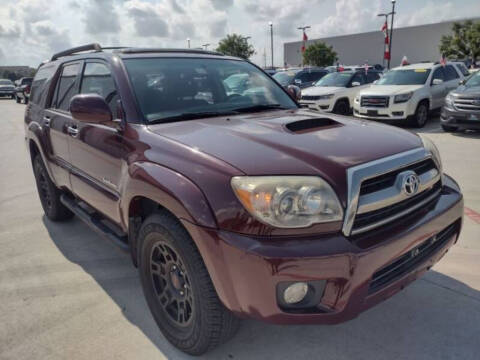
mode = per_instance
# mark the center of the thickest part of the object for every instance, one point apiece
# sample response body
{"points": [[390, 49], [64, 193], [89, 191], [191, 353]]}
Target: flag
{"points": [[305, 38], [386, 54], [443, 60], [404, 61]]}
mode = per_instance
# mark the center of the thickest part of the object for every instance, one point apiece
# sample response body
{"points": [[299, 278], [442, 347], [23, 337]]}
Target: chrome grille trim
{"points": [[467, 103], [357, 174]]}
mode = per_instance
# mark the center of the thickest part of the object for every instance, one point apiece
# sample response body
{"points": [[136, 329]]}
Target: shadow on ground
{"points": [[435, 317]]}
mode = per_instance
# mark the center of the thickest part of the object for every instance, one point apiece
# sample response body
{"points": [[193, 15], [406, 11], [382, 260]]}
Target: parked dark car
{"points": [[302, 78], [7, 88], [234, 205], [462, 106], [22, 90]]}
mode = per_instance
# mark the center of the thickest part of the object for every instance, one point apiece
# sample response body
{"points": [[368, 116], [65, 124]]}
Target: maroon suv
{"points": [[234, 203]]}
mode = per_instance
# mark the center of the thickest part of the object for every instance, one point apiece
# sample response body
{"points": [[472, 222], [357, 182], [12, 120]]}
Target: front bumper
{"points": [[320, 105], [246, 270], [460, 119], [7, 92], [393, 112]]}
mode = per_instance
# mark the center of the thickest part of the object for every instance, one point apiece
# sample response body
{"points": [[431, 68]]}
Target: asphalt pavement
{"points": [[65, 293]]}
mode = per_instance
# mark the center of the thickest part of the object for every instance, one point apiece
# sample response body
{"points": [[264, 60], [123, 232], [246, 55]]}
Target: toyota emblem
{"points": [[410, 184]]}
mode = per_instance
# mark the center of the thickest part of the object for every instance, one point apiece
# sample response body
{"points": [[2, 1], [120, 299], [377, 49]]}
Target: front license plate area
{"points": [[372, 112]]}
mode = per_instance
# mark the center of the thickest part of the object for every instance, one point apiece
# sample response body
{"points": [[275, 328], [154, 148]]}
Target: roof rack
{"points": [[94, 46]]}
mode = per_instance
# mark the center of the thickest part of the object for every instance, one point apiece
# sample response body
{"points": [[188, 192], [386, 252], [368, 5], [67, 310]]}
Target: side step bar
{"points": [[94, 220]]}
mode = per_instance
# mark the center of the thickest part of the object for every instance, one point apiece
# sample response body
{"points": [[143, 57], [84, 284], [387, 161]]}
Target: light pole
{"points": [[205, 46], [303, 28], [188, 43], [391, 31], [271, 39]]}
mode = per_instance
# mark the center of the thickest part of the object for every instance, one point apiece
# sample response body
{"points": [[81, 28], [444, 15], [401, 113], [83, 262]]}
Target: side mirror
{"points": [[294, 92], [437, 81], [297, 81], [90, 108], [355, 83], [462, 82]]}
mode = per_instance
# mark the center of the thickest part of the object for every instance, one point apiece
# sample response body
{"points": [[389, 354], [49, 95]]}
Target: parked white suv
{"points": [[335, 92], [408, 93]]}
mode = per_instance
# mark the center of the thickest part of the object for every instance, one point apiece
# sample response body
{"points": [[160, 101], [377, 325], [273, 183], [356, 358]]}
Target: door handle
{"points": [[46, 121], [72, 130]]}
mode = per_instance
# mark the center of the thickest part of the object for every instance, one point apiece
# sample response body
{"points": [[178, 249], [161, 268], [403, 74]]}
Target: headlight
{"points": [[288, 201], [432, 149], [449, 100], [401, 98], [325, 97]]}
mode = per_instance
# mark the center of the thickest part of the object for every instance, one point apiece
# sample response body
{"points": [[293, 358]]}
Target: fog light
{"points": [[295, 293]]}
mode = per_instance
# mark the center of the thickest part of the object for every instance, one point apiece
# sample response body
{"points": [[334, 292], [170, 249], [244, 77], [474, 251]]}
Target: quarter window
{"points": [[97, 79], [66, 88]]}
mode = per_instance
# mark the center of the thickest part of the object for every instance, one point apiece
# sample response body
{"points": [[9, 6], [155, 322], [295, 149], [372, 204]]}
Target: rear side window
{"points": [[97, 79], [438, 74], [372, 76], [358, 77], [450, 73], [463, 69], [317, 75], [42, 77], [66, 88]]}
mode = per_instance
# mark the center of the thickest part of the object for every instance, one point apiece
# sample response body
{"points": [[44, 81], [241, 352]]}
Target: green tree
{"points": [[464, 43], [319, 54], [235, 45]]}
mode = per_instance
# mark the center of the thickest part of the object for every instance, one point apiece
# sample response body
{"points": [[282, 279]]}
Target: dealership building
{"points": [[418, 43]]}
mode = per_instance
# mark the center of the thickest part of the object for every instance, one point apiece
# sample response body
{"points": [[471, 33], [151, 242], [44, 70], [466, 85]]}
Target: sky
{"points": [[32, 30]]}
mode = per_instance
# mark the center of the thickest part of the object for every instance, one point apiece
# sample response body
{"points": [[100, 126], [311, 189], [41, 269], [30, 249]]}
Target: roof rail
{"points": [[94, 46]]}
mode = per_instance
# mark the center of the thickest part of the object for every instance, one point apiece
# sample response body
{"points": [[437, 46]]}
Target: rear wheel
{"points": [[17, 99], [448, 128], [49, 194], [178, 289], [341, 107], [420, 117]]}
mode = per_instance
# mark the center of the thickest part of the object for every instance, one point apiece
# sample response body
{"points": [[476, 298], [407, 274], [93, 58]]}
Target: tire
{"points": [[18, 100], [341, 107], [420, 117], [25, 101], [172, 273], [49, 194], [447, 128]]}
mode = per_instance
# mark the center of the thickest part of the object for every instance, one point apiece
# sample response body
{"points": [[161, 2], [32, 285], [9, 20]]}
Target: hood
{"points": [[389, 89], [281, 142], [467, 90], [321, 90]]}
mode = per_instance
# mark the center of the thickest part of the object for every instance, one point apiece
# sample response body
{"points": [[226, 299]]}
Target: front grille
{"points": [[407, 262], [386, 180], [375, 101], [310, 97], [467, 103], [374, 217]]}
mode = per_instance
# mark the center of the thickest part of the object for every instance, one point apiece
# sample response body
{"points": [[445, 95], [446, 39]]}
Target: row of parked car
{"points": [[404, 94], [18, 90]]}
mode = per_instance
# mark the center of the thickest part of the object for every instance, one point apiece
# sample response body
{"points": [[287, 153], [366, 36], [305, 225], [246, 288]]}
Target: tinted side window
{"points": [[97, 79], [42, 76], [463, 69], [450, 73], [317, 75], [438, 74], [360, 78], [372, 76], [66, 88], [304, 77]]}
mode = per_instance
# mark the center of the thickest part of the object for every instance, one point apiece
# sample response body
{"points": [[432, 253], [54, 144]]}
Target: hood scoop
{"points": [[309, 125]]}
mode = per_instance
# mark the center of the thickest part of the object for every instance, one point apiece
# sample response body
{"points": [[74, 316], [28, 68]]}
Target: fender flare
{"points": [[34, 134], [171, 190]]}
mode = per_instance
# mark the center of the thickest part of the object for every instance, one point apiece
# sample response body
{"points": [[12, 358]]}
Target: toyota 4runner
{"points": [[234, 205]]}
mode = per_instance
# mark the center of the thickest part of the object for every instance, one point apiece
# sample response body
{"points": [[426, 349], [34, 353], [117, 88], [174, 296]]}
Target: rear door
{"points": [[98, 151], [438, 91], [58, 118]]}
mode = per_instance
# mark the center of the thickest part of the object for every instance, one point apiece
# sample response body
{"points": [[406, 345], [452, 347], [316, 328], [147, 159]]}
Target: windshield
{"points": [[474, 80], [284, 78], [171, 89], [404, 77], [339, 79], [5, 82]]}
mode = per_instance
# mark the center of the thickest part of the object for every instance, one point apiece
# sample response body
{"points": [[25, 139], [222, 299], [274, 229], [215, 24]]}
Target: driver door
{"points": [[97, 152]]}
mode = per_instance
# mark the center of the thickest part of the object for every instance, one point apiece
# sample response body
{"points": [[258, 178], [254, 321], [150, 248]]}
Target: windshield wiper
{"points": [[260, 107], [192, 116]]}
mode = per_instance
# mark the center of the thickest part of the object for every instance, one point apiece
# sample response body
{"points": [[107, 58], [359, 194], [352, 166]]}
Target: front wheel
{"points": [[341, 107], [17, 99], [421, 115], [178, 288]]}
